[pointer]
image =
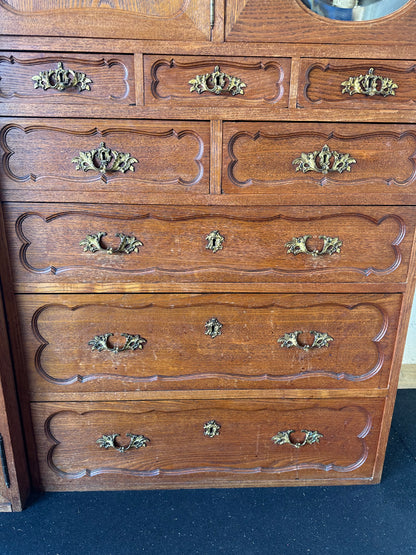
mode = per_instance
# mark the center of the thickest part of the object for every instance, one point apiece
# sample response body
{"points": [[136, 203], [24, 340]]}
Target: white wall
{"points": [[410, 349]]}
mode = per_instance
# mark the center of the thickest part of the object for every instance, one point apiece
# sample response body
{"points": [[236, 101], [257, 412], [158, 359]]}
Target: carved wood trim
{"points": [[369, 373], [325, 467], [26, 242]]}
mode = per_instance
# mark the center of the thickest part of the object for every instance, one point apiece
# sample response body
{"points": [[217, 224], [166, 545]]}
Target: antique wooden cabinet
{"points": [[208, 242]]}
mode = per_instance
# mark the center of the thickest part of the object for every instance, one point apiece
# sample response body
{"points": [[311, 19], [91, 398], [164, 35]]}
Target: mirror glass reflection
{"points": [[354, 10]]}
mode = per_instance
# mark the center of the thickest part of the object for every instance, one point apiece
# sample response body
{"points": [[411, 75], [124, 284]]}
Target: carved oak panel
{"points": [[30, 77], [238, 82], [178, 448], [58, 333], [354, 244]]}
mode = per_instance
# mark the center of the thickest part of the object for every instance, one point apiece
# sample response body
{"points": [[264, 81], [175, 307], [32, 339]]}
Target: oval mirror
{"points": [[354, 10]]}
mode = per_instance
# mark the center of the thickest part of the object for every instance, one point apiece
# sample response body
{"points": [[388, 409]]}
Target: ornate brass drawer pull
{"points": [[323, 161], [61, 79], [128, 244], [297, 245], [103, 159], [109, 442], [213, 327], [370, 85], [217, 82], [215, 241], [211, 429], [320, 339], [284, 437], [133, 342]]}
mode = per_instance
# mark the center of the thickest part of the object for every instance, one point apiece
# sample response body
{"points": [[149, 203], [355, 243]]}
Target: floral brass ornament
{"points": [[323, 161], [62, 79], [213, 327], [215, 241], [132, 342], [370, 85], [109, 442], [320, 339], [298, 245], [212, 429], [217, 82], [103, 159], [128, 244], [284, 437]]}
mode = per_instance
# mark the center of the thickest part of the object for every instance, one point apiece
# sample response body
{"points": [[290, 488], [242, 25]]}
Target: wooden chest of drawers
{"points": [[209, 244]]}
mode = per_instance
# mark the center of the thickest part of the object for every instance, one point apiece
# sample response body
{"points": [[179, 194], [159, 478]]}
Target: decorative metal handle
{"points": [[284, 437], [217, 82], [320, 339], [61, 79], [103, 159], [215, 241], [211, 429], [297, 245], [109, 441], [369, 85], [213, 327], [323, 161], [128, 244], [100, 343]]}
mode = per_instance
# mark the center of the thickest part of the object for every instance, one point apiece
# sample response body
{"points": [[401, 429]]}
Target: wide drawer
{"points": [[91, 246], [362, 84], [216, 81], [143, 444], [309, 162], [79, 343], [105, 155], [45, 77]]}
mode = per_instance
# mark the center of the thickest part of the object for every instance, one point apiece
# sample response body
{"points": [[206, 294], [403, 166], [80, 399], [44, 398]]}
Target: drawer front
{"points": [[144, 19], [91, 247], [145, 443], [313, 161], [66, 79], [105, 155], [164, 342], [217, 82], [361, 84]]}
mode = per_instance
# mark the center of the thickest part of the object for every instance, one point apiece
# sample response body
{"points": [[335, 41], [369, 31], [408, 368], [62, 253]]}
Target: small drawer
{"points": [[91, 247], [105, 155], [45, 77], [79, 343], [146, 443], [320, 163], [216, 81], [361, 84]]}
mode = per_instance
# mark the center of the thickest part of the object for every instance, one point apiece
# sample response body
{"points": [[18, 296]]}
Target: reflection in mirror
{"points": [[354, 10]]}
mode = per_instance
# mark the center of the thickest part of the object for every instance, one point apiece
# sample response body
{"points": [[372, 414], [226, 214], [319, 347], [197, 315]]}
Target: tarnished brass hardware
{"points": [[133, 342], [297, 245], [103, 159], [370, 85], [211, 429], [109, 442], [284, 437], [61, 79], [217, 82], [213, 327], [128, 243], [320, 339], [215, 241], [323, 161]]}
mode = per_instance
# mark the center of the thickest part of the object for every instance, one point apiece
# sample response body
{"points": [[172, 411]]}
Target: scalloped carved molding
{"points": [[28, 133], [355, 436], [48, 343], [117, 70], [200, 269], [248, 175]]}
